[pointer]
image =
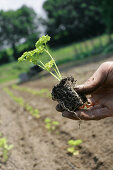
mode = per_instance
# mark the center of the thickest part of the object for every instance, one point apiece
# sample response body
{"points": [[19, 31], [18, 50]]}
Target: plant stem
{"points": [[54, 75], [54, 63], [56, 72], [48, 71], [40, 66]]}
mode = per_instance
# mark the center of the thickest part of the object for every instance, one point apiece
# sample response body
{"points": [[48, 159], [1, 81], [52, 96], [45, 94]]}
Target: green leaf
{"points": [[32, 56], [47, 120], [42, 40], [71, 149], [3, 142], [75, 142], [10, 147], [48, 126], [49, 65], [36, 112], [55, 123], [5, 147]]}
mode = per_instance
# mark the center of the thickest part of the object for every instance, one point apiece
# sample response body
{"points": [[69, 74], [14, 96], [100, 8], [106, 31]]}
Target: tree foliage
{"points": [[106, 9], [72, 20], [17, 26]]}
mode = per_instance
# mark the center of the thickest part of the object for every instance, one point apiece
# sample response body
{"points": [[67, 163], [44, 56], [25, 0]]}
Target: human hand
{"points": [[100, 88]]}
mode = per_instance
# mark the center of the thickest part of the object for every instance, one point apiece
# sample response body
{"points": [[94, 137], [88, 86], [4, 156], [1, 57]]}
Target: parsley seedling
{"points": [[35, 57], [73, 145], [51, 125], [4, 148]]}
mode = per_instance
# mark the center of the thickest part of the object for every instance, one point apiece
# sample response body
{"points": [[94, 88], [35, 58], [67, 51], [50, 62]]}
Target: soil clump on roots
{"points": [[65, 94]]}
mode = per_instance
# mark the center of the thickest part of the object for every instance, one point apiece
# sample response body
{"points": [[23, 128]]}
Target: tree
{"points": [[17, 26], [106, 9], [72, 20]]}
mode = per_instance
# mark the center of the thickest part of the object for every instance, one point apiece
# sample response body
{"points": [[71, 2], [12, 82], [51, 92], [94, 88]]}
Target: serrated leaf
{"points": [[49, 65], [42, 40]]}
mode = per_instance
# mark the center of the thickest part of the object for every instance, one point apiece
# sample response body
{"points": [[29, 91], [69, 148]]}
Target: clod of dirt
{"points": [[66, 95]]}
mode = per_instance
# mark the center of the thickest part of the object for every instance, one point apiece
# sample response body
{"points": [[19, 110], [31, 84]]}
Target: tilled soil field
{"points": [[37, 149]]}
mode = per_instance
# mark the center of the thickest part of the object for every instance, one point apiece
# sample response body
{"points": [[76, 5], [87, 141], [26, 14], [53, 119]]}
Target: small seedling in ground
{"points": [[35, 113], [4, 149], [51, 125], [32, 111], [72, 149]]}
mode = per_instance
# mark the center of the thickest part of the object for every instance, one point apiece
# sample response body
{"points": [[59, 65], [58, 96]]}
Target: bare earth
{"points": [[37, 149]]}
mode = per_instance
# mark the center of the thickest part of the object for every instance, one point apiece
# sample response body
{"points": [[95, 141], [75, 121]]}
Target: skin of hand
{"points": [[100, 88]]}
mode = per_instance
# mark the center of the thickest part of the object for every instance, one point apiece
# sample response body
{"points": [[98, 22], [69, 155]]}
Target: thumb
{"points": [[95, 81]]}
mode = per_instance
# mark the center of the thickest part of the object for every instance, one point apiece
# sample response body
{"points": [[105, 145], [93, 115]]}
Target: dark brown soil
{"points": [[37, 149], [66, 95]]}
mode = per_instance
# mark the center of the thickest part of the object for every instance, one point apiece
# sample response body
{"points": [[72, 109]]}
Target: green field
{"points": [[73, 52]]}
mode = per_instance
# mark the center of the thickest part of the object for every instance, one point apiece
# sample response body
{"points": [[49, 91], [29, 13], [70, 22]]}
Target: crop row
{"points": [[50, 125], [20, 101], [43, 92]]}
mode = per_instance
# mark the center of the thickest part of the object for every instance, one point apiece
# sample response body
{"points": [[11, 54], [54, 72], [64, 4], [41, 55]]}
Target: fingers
{"points": [[69, 115], [94, 81], [59, 108], [91, 101], [96, 113]]}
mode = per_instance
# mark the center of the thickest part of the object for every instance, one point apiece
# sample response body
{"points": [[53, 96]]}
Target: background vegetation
{"points": [[78, 28]]}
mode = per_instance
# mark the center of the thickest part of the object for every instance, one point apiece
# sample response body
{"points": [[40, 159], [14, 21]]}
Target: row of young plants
{"points": [[51, 125], [20, 101], [42, 92], [4, 149]]}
